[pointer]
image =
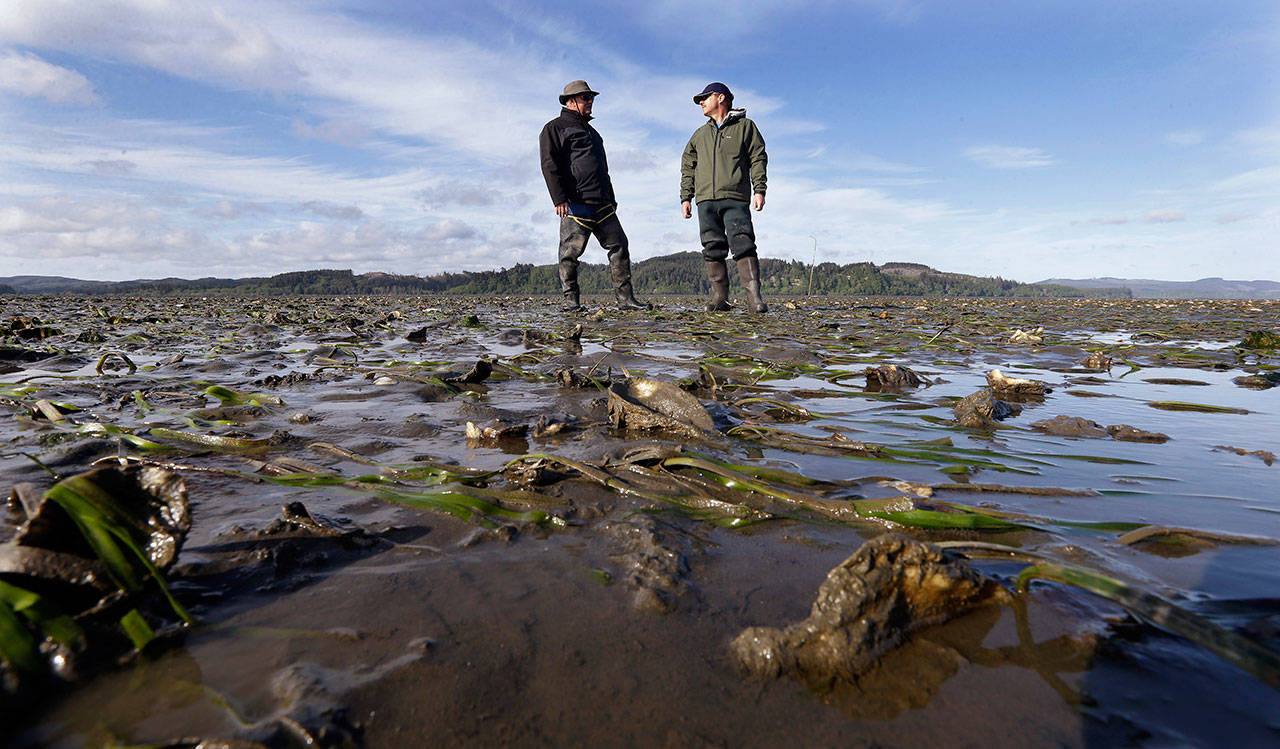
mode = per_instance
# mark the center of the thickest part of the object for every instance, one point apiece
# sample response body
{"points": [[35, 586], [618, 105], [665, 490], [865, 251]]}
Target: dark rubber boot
{"points": [[627, 299], [569, 286], [749, 271], [718, 274], [620, 269]]}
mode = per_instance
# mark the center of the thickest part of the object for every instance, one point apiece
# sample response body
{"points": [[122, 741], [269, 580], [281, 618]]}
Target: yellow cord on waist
{"points": [[602, 214]]}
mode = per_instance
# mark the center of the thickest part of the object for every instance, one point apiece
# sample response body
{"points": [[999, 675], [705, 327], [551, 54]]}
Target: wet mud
{"points": [[397, 521]]}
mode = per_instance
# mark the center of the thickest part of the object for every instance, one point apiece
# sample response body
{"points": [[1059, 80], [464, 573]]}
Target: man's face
{"points": [[710, 103], [584, 102]]}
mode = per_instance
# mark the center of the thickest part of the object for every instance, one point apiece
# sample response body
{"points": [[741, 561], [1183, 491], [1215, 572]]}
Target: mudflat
{"points": [[857, 520]]}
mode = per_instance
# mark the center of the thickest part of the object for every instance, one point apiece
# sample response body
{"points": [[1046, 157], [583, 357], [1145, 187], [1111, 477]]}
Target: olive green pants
{"points": [[726, 227]]}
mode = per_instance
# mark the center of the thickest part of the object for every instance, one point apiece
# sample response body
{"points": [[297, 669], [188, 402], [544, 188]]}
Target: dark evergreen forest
{"points": [[682, 273]]}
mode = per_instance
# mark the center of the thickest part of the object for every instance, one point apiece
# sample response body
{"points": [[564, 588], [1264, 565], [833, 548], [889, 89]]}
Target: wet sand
{"points": [[542, 606]]}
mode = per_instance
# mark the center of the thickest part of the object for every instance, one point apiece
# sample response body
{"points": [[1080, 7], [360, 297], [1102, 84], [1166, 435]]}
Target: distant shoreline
{"points": [[680, 273]]}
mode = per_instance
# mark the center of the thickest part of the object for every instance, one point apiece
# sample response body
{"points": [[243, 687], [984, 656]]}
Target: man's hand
{"points": [[757, 201], [686, 209], [562, 209]]}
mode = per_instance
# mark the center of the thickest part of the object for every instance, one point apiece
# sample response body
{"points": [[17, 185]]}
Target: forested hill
{"points": [[682, 273], [1205, 288]]}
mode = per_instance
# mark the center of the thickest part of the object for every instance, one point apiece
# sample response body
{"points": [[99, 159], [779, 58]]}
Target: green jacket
{"points": [[724, 162]]}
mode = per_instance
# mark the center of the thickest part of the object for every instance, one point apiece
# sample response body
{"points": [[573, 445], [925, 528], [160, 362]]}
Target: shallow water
{"points": [[612, 626]]}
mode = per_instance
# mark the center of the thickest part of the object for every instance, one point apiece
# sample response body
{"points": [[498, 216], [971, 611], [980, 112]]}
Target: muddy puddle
{"points": [[853, 521]]}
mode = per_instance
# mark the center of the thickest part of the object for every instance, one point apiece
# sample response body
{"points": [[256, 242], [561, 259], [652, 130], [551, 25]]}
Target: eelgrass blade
{"points": [[1197, 407], [932, 519], [465, 506], [47, 617], [17, 646], [228, 397], [97, 429], [213, 441], [851, 510], [1236, 649], [761, 472], [139, 632], [111, 533]]}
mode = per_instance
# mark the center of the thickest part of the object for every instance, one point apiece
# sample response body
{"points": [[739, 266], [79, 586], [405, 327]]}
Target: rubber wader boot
{"points": [[620, 269], [718, 274], [749, 271], [569, 285]]}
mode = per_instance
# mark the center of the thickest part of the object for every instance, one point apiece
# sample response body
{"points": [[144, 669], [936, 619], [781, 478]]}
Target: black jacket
{"points": [[573, 161]]}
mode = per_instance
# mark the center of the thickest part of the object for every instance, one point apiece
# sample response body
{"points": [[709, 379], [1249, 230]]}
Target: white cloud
{"points": [[59, 216], [869, 163], [450, 229], [102, 238], [18, 220], [471, 193], [431, 92], [527, 245], [1184, 138], [194, 40], [1163, 217], [27, 75], [228, 210], [326, 244], [1256, 183], [338, 69], [1009, 157], [1261, 141], [435, 178], [860, 204], [121, 237], [342, 132], [160, 158], [448, 245], [332, 210], [673, 16], [110, 167]]}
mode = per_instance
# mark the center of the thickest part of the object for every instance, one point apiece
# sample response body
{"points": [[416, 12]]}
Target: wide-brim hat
{"points": [[576, 88], [713, 88]]}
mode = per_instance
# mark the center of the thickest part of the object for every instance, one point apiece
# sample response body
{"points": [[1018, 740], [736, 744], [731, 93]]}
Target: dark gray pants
{"points": [[726, 226], [573, 242]]}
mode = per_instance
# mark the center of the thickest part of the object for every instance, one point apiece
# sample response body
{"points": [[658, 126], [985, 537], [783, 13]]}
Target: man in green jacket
{"points": [[724, 169]]}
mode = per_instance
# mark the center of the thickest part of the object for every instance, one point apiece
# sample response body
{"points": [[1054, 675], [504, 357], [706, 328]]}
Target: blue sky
{"points": [[153, 138]]}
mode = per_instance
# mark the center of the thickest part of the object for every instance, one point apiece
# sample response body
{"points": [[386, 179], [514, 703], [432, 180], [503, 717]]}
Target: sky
{"points": [[1054, 139]]}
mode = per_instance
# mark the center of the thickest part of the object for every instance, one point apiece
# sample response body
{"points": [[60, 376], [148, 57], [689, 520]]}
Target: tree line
{"points": [[681, 273]]}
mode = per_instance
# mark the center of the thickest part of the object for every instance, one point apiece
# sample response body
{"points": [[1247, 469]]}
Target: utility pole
{"points": [[812, 264]]}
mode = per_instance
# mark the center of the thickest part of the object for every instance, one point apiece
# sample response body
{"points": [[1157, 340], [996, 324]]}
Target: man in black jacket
{"points": [[577, 174]]}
